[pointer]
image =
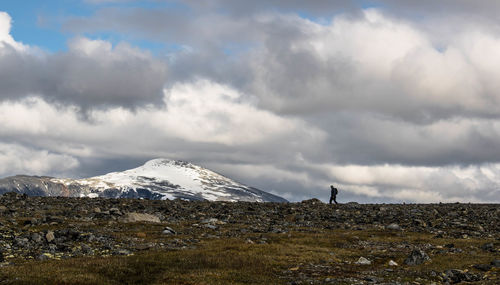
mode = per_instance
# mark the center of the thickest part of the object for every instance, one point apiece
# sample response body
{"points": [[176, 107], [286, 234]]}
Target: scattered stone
{"points": [[93, 227], [122, 251], [115, 211], [140, 217], [86, 249], [363, 261], [371, 279], [45, 256], [488, 247], [209, 226], [168, 231], [482, 267], [495, 263], [456, 276], [394, 227], [50, 236], [35, 237], [417, 257]]}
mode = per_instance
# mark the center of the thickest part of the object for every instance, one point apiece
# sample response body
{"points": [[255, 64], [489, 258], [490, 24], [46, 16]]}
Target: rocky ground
{"points": [[295, 243]]}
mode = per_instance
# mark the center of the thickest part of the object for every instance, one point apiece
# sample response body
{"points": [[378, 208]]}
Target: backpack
{"points": [[335, 191]]}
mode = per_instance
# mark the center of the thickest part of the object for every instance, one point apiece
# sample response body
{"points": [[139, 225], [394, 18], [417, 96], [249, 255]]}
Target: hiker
{"points": [[333, 195]]}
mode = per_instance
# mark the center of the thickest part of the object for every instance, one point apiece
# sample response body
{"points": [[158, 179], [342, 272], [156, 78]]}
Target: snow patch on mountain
{"points": [[167, 179]]}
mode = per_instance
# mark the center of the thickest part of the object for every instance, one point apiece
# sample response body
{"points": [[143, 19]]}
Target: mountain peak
{"points": [[162, 162], [159, 178]]}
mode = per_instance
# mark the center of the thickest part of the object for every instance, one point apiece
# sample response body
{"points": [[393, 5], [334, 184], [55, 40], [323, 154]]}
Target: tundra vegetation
{"points": [[56, 240]]}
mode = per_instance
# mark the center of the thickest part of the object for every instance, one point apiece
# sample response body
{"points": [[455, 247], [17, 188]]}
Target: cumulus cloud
{"points": [[6, 40], [367, 62], [375, 64], [55, 140], [214, 122], [92, 73], [17, 159]]}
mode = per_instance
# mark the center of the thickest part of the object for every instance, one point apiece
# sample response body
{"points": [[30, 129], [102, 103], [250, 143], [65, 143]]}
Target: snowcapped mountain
{"points": [[156, 179]]}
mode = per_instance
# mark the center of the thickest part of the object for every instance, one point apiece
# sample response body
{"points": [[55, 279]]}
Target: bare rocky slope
{"points": [[315, 243]]}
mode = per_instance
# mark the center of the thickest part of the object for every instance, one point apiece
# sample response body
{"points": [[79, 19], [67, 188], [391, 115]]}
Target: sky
{"points": [[388, 100]]}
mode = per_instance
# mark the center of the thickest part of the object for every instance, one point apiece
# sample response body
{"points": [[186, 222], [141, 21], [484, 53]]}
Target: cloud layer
{"points": [[288, 96], [92, 73]]}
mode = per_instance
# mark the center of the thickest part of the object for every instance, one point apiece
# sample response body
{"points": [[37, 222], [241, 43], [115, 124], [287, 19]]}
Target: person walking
{"points": [[333, 194]]}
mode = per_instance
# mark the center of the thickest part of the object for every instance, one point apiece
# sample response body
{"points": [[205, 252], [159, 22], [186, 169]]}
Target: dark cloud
{"points": [[90, 74]]}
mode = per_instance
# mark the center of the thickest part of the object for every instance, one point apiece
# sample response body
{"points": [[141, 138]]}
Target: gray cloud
{"points": [[90, 74], [295, 66]]}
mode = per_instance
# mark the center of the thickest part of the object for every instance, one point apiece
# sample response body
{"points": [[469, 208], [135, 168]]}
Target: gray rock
{"points": [[363, 261], [495, 263], [392, 263], [36, 238], [86, 249], [44, 256], [140, 217], [456, 276], [212, 221], [371, 279], [482, 267], [21, 242], [50, 236], [115, 211], [394, 227], [208, 226], [168, 231], [122, 251], [417, 257], [488, 246]]}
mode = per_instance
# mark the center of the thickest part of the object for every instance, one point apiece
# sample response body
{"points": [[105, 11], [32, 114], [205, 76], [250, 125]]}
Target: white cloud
{"points": [[198, 113], [204, 111], [375, 63], [16, 159], [5, 37], [420, 184]]}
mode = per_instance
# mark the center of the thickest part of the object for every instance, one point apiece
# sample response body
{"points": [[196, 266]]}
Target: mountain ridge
{"points": [[159, 178]]}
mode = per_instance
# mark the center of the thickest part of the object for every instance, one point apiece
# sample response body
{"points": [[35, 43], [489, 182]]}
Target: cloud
{"points": [[364, 62], [17, 159], [213, 123], [280, 156], [6, 40], [374, 64], [376, 183], [91, 74]]}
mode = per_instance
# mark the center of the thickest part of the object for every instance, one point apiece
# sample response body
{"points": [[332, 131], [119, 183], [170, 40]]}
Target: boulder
{"points": [[417, 257], [394, 227], [363, 261], [50, 236], [140, 217]]}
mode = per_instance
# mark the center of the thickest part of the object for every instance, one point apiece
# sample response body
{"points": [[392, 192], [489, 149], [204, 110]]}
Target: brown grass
{"points": [[234, 261]]}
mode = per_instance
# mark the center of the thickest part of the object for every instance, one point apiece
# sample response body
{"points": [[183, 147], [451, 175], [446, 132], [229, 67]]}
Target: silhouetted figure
{"points": [[333, 194]]}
